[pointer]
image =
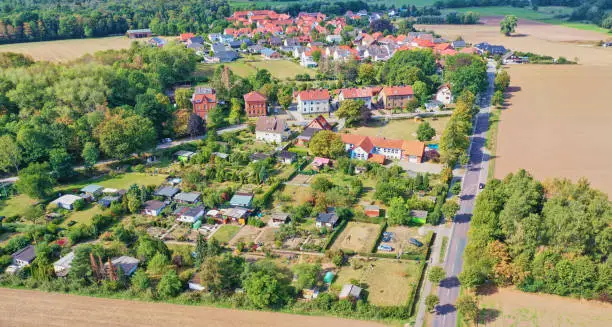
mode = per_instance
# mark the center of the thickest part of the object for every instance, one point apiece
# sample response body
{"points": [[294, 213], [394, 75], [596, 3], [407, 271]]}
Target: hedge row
{"points": [[379, 238], [335, 234]]}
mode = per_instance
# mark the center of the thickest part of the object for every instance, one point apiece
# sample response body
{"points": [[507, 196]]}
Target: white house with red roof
{"points": [[365, 147], [357, 93], [313, 101]]}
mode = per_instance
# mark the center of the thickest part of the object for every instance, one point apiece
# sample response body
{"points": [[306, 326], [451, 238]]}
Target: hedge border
{"points": [[335, 234]]}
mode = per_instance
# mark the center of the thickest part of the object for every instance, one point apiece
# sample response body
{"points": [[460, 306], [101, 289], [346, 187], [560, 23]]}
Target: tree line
{"points": [[551, 237]]}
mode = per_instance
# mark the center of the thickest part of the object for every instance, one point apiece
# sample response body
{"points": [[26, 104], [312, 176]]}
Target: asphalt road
{"points": [[477, 173]]}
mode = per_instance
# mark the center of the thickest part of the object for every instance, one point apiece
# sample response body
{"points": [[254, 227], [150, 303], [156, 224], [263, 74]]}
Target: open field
{"points": [[50, 309], [225, 233], [358, 237], [245, 235], [508, 307], [283, 4], [556, 122], [281, 69], [388, 282], [66, 50], [404, 129]]}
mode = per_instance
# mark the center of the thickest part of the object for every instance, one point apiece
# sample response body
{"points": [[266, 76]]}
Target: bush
{"points": [[140, 168], [78, 205]]}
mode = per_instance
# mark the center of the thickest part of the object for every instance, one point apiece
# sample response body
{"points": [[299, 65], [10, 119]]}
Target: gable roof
{"points": [[320, 122], [167, 191], [27, 254], [204, 94], [356, 92], [241, 199], [397, 90], [313, 94], [154, 205], [271, 125], [92, 188], [254, 96], [327, 218], [368, 142], [187, 196]]}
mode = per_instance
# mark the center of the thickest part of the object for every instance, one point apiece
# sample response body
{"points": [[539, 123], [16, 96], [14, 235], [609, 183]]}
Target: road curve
{"points": [[477, 173]]}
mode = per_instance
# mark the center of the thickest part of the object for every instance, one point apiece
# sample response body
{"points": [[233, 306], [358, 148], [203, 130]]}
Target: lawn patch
{"points": [[404, 129], [358, 237], [225, 233]]}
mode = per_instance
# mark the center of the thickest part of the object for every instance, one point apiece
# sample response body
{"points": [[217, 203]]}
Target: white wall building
{"points": [[313, 101]]}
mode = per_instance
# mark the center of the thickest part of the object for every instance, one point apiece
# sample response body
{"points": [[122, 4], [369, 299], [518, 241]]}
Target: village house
{"points": [[333, 38], [255, 104], [92, 191], [124, 263], [270, 54], [139, 34], [313, 101], [24, 257], [396, 96], [62, 266], [259, 156], [66, 201], [319, 163], [204, 99], [278, 219], [364, 147], [316, 125], [237, 215], [271, 130], [286, 157], [327, 219], [167, 191], [351, 292], [357, 93], [189, 214], [444, 94], [240, 199], [153, 208], [372, 211], [188, 197], [157, 42]]}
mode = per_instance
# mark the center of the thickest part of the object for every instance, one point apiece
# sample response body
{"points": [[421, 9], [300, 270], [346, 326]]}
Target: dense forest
{"points": [[553, 237], [112, 101]]}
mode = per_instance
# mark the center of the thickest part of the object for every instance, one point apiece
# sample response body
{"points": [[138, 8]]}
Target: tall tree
{"points": [[121, 136], [508, 25], [326, 144], [10, 154], [36, 180], [90, 155]]}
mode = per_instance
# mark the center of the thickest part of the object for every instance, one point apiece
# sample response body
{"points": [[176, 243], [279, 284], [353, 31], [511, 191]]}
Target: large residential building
{"points": [[204, 99], [396, 96], [366, 147], [313, 101], [357, 93], [444, 94], [271, 130], [255, 104]]}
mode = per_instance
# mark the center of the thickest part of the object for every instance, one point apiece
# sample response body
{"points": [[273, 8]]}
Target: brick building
{"points": [[204, 99], [255, 104]]}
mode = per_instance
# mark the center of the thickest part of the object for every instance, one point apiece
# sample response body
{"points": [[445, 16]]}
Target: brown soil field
{"points": [[359, 237], [509, 307], [50, 309], [557, 119]]}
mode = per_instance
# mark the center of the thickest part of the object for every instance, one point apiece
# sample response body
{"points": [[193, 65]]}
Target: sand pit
{"points": [[507, 307], [558, 118], [48, 309]]}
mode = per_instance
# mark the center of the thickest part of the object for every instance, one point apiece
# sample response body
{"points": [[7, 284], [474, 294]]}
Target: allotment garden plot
{"points": [[399, 239], [387, 282], [358, 237]]}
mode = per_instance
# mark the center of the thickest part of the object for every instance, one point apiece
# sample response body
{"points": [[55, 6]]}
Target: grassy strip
{"points": [[335, 234], [491, 143], [443, 249], [383, 227]]}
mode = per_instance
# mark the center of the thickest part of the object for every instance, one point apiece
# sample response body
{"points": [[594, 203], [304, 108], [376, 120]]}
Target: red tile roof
{"points": [[368, 142], [314, 94], [254, 96], [377, 158], [424, 43], [321, 122], [186, 36], [353, 93], [397, 90]]}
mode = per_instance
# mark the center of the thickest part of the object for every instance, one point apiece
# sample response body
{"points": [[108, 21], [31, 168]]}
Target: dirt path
{"points": [[32, 308], [508, 307]]}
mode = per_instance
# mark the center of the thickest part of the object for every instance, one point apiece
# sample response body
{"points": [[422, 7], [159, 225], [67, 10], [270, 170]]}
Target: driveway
{"points": [[425, 167]]}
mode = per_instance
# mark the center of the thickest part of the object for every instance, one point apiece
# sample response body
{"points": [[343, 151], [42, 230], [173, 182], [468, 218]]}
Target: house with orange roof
{"points": [[255, 104], [357, 93], [396, 96], [313, 101], [186, 36], [423, 43], [368, 147], [204, 99]]}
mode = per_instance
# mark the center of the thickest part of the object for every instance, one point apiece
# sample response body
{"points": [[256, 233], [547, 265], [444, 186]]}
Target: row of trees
{"points": [[552, 237], [455, 138]]}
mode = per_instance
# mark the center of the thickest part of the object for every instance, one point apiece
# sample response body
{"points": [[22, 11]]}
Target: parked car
{"points": [[385, 248], [415, 242], [71, 223], [481, 186]]}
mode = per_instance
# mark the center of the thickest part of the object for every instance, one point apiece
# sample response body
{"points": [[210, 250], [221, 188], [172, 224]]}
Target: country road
{"points": [[476, 174]]}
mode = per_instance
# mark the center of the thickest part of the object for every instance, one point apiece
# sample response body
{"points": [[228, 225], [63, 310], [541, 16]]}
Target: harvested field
{"points": [[508, 307], [557, 118], [358, 237], [66, 50], [50, 309], [388, 282]]}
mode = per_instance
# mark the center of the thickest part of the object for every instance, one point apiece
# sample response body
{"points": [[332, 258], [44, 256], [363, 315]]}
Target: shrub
{"points": [[78, 205]]}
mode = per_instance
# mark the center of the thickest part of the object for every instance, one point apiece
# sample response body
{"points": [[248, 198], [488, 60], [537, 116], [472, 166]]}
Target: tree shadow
{"points": [[450, 282], [445, 309], [488, 315], [518, 35], [513, 89], [487, 289]]}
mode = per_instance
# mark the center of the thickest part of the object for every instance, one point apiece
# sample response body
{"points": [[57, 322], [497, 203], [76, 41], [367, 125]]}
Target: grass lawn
{"points": [[387, 282], [491, 142], [84, 216], [404, 129], [544, 14], [226, 233], [15, 205], [294, 195], [443, 249], [281, 69]]}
